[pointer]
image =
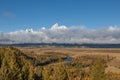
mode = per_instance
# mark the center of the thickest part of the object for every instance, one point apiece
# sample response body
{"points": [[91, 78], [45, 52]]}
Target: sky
{"points": [[35, 14], [59, 21]]}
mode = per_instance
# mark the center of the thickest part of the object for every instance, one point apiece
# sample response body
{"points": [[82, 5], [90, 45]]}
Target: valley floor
{"points": [[113, 65]]}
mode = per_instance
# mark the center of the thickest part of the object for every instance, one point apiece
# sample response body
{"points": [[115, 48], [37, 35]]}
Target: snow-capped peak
{"points": [[29, 30], [56, 27]]}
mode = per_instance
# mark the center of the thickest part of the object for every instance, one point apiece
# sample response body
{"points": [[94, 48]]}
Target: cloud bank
{"points": [[63, 34]]}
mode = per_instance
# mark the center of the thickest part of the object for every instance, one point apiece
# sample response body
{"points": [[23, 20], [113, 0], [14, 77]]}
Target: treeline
{"points": [[16, 65]]}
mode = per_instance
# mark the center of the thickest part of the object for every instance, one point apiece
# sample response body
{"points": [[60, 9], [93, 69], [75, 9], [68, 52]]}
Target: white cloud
{"points": [[63, 34], [8, 15]]}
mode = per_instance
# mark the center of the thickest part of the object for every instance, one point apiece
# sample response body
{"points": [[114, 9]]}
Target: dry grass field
{"points": [[113, 65]]}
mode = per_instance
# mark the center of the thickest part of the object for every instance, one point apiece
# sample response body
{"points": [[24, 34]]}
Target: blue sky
{"points": [[22, 14]]}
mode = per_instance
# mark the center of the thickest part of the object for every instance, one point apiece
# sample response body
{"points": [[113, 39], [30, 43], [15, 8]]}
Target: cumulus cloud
{"points": [[63, 34]]}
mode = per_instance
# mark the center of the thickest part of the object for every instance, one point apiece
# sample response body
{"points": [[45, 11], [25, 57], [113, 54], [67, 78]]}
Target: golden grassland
{"points": [[48, 63], [113, 65]]}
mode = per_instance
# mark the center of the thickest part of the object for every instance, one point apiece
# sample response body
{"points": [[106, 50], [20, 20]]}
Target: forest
{"points": [[18, 65]]}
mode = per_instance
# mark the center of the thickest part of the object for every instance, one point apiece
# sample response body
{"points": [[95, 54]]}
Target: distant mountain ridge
{"points": [[65, 45]]}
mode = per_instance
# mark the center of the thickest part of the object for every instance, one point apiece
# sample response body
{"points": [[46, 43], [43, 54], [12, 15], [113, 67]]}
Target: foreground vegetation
{"points": [[16, 65]]}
